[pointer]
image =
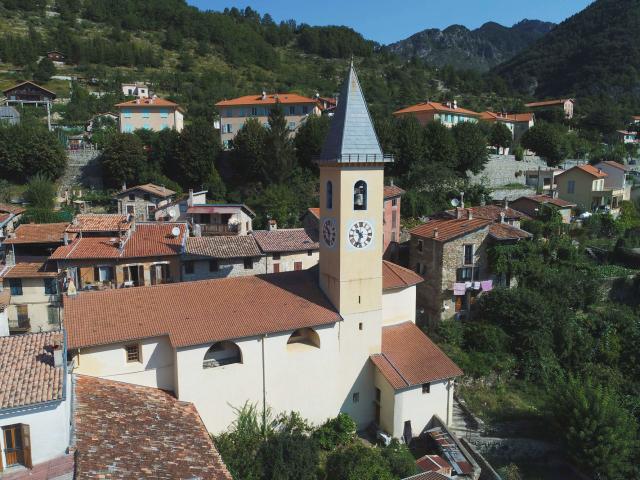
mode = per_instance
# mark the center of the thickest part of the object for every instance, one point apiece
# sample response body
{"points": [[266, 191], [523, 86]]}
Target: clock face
{"points": [[360, 234], [329, 232]]}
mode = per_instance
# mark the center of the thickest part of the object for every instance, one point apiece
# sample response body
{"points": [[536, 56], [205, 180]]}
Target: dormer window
{"points": [[360, 195]]}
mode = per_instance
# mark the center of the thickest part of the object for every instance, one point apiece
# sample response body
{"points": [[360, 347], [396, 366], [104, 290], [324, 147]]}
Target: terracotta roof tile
{"points": [[435, 107], [432, 463], [507, 117], [28, 373], [10, 208], [30, 270], [394, 276], [504, 231], [152, 188], [542, 199], [315, 211], [488, 212], [148, 240], [446, 229], [286, 240], [271, 99], [223, 246], [590, 169], [410, 358], [617, 165], [391, 191], [147, 102], [428, 476], [4, 217], [99, 223], [38, 233], [126, 431], [194, 313]]}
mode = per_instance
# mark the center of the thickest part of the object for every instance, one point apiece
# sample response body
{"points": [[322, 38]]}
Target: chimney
{"points": [[124, 186], [435, 233], [455, 104], [190, 200], [65, 238], [501, 217], [264, 95], [273, 225], [506, 203], [461, 199], [58, 360], [469, 214], [391, 182]]}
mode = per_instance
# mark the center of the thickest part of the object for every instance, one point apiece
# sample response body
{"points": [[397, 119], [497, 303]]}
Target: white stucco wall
{"points": [[399, 306], [287, 260], [4, 323], [49, 427], [110, 361]]}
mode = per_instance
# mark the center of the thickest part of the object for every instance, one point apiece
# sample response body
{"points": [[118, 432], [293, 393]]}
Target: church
{"points": [[340, 337]]}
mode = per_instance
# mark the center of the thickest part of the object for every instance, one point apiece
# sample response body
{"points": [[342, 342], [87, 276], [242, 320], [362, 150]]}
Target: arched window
{"points": [[222, 353], [360, 195], [329, 194], [305, 336]]}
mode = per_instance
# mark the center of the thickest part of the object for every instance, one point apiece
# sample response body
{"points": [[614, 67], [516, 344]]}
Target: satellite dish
{"points": [[455, 202], [175, 231], [172, 214]]}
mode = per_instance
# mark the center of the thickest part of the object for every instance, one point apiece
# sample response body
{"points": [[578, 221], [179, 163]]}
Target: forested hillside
{"points": [[596, 51], [478, 49]]}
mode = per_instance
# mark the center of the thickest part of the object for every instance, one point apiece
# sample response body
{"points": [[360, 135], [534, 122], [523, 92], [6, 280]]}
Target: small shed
{"points": [[9, 115]]}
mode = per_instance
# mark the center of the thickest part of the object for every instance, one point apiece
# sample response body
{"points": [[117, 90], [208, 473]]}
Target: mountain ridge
{"points": [[478, 49]]}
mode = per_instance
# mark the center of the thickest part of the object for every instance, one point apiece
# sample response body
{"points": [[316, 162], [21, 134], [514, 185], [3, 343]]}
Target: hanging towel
{"points": [[487, 285], [459, 288]]}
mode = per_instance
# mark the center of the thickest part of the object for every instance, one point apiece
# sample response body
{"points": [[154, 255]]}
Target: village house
{"points": [[165, 437], [451, 254], [154, 114], [287, 249], [142, 201], [220, 219], [564, 105], [617, 180], [29, 93], [235, 112], [140, 254], [9, 115], [532, 205], [391, 220], [137, 89], [449, 114], [34, 287], [176, 209], [10, 215], [517, 123], [99, 121], [222, 256], [543, 180], [35, 407], [342, 332], [584, 186], [627, 136], [30, 240], [57, 57]]}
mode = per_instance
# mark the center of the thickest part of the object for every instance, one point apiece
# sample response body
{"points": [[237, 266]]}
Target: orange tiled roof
{"points": [[28, 375], [541, 199], [315, 211], [391, 191], [286, 240], [15, 209], [431, 463], [133, 431], [148, 240], [410, 358], [508, 117], [435, 107], [38, 233], [223, 246], [394, 276], [428, 476], [271, 99], [30, 270], [147, 102], [545, 103], [504, 231], [5, 216], [590, 169], [152, 188], [195, 313], [488, 212], [449, 228], [99, 223]]}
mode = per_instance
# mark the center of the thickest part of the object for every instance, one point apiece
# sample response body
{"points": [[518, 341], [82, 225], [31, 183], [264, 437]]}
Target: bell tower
{"points": [[351, 205]]}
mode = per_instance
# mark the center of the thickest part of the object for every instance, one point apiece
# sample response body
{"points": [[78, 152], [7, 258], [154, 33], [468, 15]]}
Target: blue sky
{"points": [[388, 21]]}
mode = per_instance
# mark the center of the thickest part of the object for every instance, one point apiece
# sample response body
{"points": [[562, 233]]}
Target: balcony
{"points": [[218, 229], [19, 325]]}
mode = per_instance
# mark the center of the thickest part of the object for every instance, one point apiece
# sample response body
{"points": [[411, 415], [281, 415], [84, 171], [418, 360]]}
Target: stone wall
{"points": [[505, 169]]}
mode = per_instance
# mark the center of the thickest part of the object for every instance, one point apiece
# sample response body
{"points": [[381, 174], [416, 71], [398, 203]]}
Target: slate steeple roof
{"points": [[352, 137]]}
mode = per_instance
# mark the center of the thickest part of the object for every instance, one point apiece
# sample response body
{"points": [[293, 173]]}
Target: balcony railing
{"points": [[218, 229]]}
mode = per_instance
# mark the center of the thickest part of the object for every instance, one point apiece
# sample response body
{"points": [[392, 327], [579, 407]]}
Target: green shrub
{"points": [[340, 430]]}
